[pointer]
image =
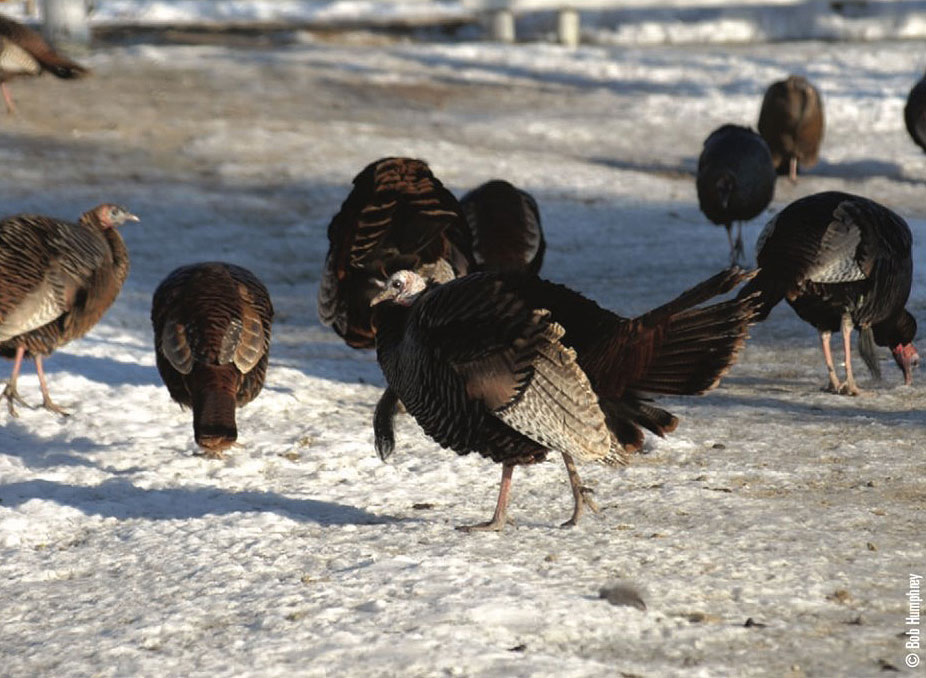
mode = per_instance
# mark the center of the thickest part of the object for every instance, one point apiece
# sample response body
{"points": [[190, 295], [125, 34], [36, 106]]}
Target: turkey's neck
{"points": [[389, 320], [120, 254]]}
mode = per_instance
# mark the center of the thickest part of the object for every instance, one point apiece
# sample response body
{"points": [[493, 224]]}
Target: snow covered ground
{"points": [[613, 22], [123, 554]]}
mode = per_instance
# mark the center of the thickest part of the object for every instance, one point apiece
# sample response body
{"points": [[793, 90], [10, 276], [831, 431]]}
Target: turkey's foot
{"points": [[12, 396], [494, 525], [849, 388], [49, 405], [582, 499]]}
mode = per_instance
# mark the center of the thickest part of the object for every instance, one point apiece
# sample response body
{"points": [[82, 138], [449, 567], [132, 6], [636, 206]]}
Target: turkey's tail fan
{"points": [[213, 389], [698, 346], [627, 415], [768, 292], [721, 283]]}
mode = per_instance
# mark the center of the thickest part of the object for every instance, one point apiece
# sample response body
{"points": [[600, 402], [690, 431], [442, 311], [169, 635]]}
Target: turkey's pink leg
{"points": [[499, 519], [46, 398], [848, 387], [833, 386], [792, 170], [10, 107], [10, 392], [579, 493]]}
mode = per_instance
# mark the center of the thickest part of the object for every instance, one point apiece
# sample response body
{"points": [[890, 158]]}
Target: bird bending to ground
{"points": [[512, 366], [841, 261], [57, 278], [736, 180], [914, 113], [212, 338], [24, 52], [505, 225], [791, 121]]}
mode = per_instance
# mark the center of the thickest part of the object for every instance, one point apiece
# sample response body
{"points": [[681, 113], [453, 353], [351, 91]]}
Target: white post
{"points": [[567, 27], [66, 24], [501, 25]]}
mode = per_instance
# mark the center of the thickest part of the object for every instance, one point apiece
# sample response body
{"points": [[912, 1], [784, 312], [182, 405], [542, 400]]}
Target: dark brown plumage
{"points": [[914, 113], [212, 339], [24, 52], [736, 180], [791, 122], [398, 216], [57, 278], [511, 366], [841, 261], [505, 224]]}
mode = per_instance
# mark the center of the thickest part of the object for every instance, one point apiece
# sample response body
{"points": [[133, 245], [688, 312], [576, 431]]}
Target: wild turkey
{"points": [[791, 121], [398, 216], [505, 225], [56, 280], [736, 180], [25, 52], [212, 339], [841, 261], [511, 366], [914, 113]]}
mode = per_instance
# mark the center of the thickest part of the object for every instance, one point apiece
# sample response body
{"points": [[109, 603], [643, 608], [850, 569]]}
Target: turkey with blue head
{"points": [[511, 366], [57, 279]]}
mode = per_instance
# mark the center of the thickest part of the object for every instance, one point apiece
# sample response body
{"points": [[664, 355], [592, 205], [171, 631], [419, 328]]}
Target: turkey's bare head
{"points": [[402, 287], [906, 357], [108, 215]]}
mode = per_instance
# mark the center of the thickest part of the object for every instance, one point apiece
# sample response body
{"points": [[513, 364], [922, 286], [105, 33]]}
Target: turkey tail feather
{"points": [[770, 292], [720, 283], [699, 346]]}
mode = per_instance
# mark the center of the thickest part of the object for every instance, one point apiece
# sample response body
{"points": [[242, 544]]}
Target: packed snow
{"points": [[773, 534], [615, 22]]}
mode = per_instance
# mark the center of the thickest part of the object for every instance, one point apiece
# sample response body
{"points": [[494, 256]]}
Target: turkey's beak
{"points": [[382, 296], [131, 217]]}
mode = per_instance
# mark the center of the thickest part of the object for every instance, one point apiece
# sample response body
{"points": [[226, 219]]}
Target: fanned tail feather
{"points": [[699, 346], [626, 416], [718, 284], [770, 292]]}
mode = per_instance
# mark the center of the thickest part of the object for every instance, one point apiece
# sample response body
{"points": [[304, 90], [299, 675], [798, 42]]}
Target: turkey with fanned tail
{"points": [[23, 52], [505, 225], [397, 216], [212, 339], [57, 279], [841, 261], [512, 366]]}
